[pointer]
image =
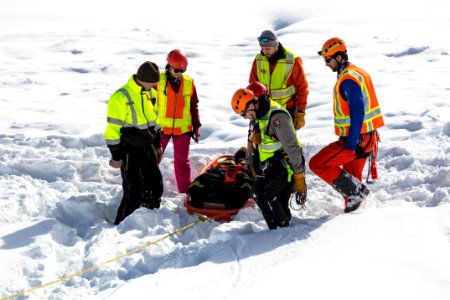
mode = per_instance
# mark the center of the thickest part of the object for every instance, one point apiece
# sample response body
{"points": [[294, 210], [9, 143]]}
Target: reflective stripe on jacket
{"points": [[277, 81], [130, 106], [373, 118], [269, 145], [174, 108]]}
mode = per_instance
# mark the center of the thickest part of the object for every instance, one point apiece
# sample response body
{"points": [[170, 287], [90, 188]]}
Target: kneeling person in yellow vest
{"points": [[279, 165], [134, 140]]}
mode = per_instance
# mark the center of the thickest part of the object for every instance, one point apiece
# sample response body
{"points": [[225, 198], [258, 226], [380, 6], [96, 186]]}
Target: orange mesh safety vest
{"points": [[372, 113], [174, 109]]}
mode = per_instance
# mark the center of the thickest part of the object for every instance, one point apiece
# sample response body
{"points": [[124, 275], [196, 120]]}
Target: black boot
{"points": [[354, 201], [349, 187], [149, 201]]}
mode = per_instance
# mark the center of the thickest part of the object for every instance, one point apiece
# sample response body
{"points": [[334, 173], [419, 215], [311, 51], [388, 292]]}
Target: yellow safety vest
{"points": [[269, 145], [276, 82], [174, 109], [130, 106]]}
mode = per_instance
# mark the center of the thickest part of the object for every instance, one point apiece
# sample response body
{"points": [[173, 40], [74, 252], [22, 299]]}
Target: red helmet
{"points": [[240, 100], [332, 46], [257, 88], [177, 59]]}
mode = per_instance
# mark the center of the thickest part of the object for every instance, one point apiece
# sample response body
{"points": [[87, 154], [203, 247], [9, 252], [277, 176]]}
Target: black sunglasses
{"points": [[179, 70], [328, 59], [264, 39]]}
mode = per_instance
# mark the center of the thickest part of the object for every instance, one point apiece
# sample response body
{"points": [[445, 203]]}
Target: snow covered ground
{"points": [[60, 62]]}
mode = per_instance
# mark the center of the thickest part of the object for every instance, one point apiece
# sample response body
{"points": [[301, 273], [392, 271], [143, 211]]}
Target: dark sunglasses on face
{"points": [[328, 59], [179, 70], [264, 39]]}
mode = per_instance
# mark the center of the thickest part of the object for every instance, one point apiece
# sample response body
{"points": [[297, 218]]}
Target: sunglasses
{"points": [[264, 39], [179, 70], [328, 59]]}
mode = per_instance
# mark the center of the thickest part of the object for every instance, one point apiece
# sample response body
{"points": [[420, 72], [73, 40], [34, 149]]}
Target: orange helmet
{"points": [[332, 46], [177, 59], [257, 88], [240, 100]]}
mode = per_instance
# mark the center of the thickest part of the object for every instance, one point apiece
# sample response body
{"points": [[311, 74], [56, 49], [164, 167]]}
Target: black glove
{"points": [[360, 152], [117, 152]]}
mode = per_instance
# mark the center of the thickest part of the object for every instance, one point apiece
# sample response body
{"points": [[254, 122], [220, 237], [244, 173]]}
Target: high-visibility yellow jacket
{"points": [[130, 106]]}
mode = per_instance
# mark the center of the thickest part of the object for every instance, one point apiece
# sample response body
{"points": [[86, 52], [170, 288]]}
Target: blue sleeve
{"points": [[351, 92]]}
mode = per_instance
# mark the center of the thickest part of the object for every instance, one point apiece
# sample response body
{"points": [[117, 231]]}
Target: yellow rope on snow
{"points": [[200, 219]]}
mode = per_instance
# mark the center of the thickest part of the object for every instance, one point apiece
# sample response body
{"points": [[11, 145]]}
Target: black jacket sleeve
{"points": [[116, 152], [157, 139]]}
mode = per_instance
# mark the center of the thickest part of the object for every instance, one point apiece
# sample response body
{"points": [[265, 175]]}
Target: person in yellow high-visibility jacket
{"points": [[178, 115], [134, 140]]}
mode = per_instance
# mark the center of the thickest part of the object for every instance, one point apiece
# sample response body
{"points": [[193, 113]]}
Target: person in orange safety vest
{"points": [[357, 116], [178, 114]]}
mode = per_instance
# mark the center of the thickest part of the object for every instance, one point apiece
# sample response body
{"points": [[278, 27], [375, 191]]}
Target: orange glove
{"points": [[300, 183], [299, 120]]}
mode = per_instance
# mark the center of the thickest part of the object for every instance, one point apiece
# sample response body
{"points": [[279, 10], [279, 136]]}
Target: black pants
{"points": [[271, 193], [141, 181]]}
